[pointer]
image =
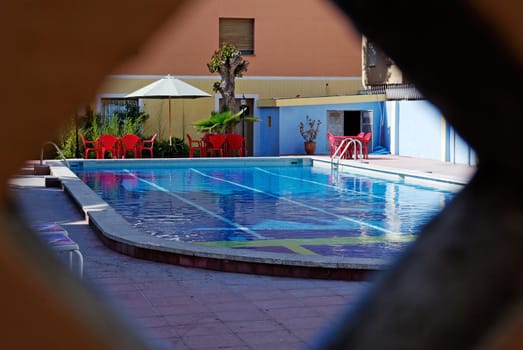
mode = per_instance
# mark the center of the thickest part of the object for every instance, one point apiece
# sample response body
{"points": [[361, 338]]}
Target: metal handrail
{"points": [[360, 148], [345, 142], [342, 148], [57, 149]]}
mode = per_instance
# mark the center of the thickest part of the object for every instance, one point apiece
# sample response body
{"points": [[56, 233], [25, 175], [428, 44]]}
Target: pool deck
{"points": [[447, 170], [192, 308]]}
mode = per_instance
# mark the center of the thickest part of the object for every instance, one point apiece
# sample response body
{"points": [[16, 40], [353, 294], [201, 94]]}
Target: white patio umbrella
{"points": [[168, 87]]}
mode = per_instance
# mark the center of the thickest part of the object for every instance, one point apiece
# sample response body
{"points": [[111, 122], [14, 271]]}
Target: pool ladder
{"points": [[340, 150], [57, 150], [344, 147]]}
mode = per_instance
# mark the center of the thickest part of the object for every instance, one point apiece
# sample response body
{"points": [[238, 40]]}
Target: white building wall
{"points": [[418, 129]]}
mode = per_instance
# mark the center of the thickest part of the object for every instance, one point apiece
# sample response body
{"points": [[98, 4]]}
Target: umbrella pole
{"points": [[77, 149], [170, 132]]}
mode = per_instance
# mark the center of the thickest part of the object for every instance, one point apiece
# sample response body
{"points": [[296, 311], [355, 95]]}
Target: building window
{"points": [[239, 32], [118, 107], [372, 54]]}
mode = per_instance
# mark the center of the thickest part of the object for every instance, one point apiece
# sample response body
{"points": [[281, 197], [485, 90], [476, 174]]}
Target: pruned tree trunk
{"points": [[228, 85], [229, 62]]}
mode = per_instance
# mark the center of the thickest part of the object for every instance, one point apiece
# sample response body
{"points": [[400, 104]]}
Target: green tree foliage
{"points": [[129, 121], [67, 143]]}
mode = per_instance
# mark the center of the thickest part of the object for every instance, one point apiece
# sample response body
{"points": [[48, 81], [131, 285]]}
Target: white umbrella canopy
{"points": [[168, 87]]}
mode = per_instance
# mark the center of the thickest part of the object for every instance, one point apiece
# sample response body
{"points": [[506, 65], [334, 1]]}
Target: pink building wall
{"points": [[292, 38]]}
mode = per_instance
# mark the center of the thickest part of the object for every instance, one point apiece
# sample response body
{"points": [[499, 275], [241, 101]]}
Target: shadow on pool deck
{"points": [[116, 233]]}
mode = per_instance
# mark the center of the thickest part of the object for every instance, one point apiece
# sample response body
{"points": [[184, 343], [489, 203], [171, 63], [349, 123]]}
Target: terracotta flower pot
{"points": [[310, 147]]}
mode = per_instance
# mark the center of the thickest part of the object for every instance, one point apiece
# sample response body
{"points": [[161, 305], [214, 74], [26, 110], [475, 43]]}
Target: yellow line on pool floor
{"points": [[296, 245]]}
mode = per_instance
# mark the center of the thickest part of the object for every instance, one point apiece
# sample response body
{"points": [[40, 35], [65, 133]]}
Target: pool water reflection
{"points": [[296, 209]]}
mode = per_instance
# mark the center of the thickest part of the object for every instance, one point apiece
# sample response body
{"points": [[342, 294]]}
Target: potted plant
{"points": [[310, 134]]}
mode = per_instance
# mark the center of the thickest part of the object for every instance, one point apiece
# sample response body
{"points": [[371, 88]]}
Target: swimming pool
{"points": [[289, 206]]}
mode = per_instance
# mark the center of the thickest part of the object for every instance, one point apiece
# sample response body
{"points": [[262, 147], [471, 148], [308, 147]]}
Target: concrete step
{"points": [[34, 172], [33, 167]]}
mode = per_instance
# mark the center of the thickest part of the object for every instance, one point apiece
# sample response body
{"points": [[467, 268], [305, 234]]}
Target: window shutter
{"points": [[239, 32]]}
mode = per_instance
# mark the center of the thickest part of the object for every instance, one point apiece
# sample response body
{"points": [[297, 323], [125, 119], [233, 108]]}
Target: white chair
{"points": [[58, 239]]}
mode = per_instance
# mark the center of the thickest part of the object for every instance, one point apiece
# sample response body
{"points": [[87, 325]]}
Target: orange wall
{"points": [[292, 38]]}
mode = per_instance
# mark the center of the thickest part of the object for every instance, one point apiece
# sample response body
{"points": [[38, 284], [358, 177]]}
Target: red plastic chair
{"points": [[196, 145], [365, 145], [89, 146], [148, 145], [131, 143], [216, 142], [358, 137], [234, 145], [108, 143], [333, 143]]}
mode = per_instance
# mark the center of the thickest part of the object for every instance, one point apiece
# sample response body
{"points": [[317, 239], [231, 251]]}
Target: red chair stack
{"points": [[196, 145], [131, 143], [216, 142], [108, 143], [365, 145], [234, 145]]}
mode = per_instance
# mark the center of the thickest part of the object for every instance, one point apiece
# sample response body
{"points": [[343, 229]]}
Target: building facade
{"points": [[304, 59], [294, 48]]}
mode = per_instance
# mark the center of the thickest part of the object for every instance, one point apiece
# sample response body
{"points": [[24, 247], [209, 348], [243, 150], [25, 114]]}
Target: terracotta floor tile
{"points": [[192, 309]]}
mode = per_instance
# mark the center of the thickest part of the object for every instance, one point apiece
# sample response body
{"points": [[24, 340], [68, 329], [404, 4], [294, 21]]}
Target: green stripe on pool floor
{"points": [[296, 245]]}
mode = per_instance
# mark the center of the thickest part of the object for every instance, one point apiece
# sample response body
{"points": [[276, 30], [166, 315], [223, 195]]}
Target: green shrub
{"points": [[178, 149], [93, 125]]}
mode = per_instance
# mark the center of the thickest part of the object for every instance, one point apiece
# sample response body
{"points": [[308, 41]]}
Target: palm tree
{"points": [[221, 123]]}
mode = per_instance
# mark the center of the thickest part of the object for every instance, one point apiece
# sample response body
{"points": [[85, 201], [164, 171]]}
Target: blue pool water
{"points": [[296, 208]]}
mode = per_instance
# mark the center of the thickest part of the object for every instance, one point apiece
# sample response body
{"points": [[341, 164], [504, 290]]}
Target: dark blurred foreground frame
{"points": [[55, 55], [461, 285]]}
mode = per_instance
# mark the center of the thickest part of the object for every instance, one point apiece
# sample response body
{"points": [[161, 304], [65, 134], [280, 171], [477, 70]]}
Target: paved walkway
{"points": [[200, 309], [428, 166], [448, 170], [193, 308]]}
